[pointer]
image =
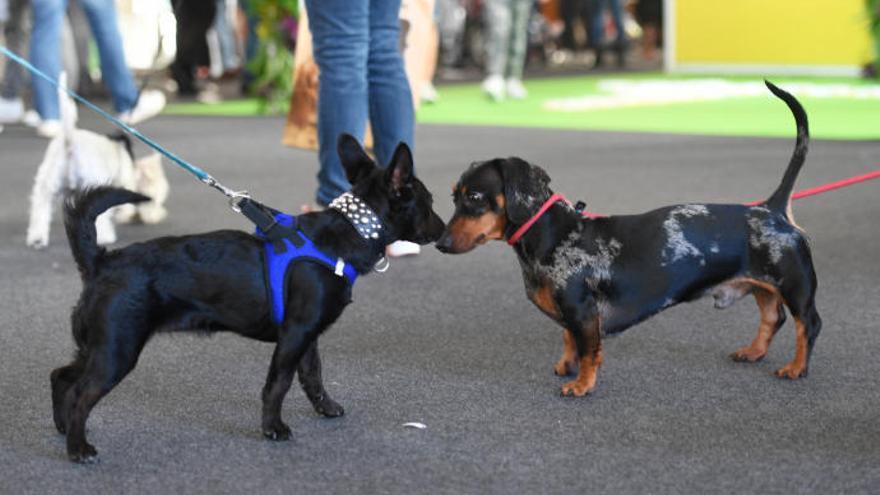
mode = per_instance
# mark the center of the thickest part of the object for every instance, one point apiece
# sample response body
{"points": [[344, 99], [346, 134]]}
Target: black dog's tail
{"points": [[80, 211], [780, 200]]}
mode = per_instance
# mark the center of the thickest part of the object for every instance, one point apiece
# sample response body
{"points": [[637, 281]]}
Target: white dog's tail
{"points": [[67, 107], [81, 209]]}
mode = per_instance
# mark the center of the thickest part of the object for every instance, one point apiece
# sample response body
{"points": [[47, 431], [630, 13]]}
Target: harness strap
{"points": [[268, 226]]}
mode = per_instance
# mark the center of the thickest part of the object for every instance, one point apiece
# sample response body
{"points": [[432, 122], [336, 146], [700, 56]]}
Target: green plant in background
{"points": [[873, 7], [272, 65]]}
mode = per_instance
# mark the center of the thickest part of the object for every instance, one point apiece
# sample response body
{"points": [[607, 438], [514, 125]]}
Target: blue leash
{"points": [[234, 196]]}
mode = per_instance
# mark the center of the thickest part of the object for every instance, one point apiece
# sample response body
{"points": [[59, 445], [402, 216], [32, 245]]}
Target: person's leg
{"points": [[498, 16], [596, 28], [340, 37], [617, 16], [620, 42], [391, 106], [45, 54], [568, 12], [14, 33], [521, 10], [226, 36], [114, 71]]}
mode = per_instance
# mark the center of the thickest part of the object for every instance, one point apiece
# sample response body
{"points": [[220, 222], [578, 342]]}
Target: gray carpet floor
{"points": [[452, 342]]}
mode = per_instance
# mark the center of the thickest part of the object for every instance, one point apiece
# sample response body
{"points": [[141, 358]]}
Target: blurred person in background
{"points": [[13, 17], [48, 15], [649, 14], [227, 43], [194, 18], [597, 30], [571, 12], [506, 41], [356, 45]]}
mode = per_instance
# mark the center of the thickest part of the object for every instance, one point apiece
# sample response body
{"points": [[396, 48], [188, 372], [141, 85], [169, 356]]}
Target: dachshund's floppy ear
{"points": [[355, 161], [525, 187], [400, 171]]}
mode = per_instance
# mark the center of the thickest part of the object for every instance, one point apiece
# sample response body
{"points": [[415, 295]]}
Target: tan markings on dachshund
{"points": [[770, 304], [798, 366], [586, 378], [589, 363], [543, 299], [468, 232], [566, 363]]}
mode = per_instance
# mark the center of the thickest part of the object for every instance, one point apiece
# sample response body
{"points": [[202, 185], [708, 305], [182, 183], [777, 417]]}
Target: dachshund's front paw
{"points": [[576, 388]]}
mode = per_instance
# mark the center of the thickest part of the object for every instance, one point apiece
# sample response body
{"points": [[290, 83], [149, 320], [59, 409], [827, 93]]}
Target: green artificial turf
{"points": [[840, 117]]}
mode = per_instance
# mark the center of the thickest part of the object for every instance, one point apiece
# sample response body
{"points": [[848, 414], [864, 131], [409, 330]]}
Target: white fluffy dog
{"points": [[78, 158]]}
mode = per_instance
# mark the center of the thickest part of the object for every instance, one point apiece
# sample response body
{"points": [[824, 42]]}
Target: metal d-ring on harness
{"points": [[239, 201]]}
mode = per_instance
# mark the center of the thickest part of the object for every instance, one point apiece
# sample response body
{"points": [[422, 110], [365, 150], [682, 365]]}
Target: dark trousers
{"points": [[194, 18]]}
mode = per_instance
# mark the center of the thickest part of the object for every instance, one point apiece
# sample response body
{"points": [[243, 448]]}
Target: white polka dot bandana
{"points": [[359, 214]]}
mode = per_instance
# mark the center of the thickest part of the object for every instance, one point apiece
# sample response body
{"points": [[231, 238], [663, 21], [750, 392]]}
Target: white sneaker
{"points": [[149, 104], [49, 128], [398, 249], [11, 111], [493, 86], [516, 90], [31, 118], [429, 93]]}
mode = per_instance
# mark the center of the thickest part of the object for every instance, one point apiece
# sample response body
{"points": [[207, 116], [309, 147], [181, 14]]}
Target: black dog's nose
{"points": [[444, 244]]}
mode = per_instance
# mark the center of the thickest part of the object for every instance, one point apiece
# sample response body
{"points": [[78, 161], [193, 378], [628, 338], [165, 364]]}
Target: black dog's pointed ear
{"points": [[525, 188], [400, 171], [355, 161]]}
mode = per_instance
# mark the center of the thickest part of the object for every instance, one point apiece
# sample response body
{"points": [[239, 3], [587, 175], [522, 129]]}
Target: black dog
{"points": [[601, 276], [215, 282]]}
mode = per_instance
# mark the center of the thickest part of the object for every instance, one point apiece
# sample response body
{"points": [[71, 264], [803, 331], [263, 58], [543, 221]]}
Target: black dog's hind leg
{"points": [[62, 379], [114, 356], [309, 373]]}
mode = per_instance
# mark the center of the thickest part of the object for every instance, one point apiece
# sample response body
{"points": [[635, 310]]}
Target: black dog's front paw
{"points": [[83, 454], [328, 407], [278, 432]]}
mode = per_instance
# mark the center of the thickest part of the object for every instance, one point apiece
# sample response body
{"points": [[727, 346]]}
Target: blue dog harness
{"points": [[293, 246]]}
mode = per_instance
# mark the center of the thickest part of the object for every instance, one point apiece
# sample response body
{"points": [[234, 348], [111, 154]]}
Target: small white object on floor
{"points": [[398, 249], [418, 426]]}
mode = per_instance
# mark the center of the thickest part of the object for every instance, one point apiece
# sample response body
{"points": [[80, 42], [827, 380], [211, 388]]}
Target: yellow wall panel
{"points": [[771, 32]]}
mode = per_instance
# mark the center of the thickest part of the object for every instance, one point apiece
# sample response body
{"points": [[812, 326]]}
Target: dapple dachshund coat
{"points": [[600, 276]]}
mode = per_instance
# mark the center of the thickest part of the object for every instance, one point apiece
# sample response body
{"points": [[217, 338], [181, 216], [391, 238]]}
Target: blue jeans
{"points": [[45, 54], [357, 50], [598, 28]]}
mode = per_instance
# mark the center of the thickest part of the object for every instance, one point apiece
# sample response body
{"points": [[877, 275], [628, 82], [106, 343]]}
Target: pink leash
{"points": [[797, 195]]}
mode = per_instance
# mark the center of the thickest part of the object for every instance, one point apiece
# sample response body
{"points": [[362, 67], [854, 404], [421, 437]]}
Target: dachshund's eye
{"points": [[475, 197]]}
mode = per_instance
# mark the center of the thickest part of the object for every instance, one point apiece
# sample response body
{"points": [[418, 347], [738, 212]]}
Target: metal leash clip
{"points": [[235, 197], [382, 265]]}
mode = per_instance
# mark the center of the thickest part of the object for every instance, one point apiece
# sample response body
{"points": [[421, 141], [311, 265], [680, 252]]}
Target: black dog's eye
{"points": [[475, 197]]}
